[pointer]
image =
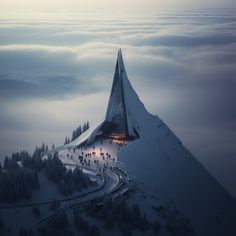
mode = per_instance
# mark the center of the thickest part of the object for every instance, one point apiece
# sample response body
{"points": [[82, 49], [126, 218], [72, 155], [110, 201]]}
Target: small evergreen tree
{"points": [[78, 131], [43, 147], [6, 163], [67, 140], [73, 135], [84, 127]]}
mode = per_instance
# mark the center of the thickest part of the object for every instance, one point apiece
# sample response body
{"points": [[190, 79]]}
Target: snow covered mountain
{"points": [[158, 159]]}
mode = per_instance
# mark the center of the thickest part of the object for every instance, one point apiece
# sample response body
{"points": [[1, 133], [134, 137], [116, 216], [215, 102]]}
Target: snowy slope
{"points": [[160, 160], [87, 135], [162, 163]]}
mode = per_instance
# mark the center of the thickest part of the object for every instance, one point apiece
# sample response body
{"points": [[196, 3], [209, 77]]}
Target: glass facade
{"points": [[116, 112]]}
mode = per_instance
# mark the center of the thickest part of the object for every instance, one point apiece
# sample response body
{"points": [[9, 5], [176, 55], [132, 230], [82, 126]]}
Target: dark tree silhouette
{"points": [[118, 213], [78, 131], [68, 181]]}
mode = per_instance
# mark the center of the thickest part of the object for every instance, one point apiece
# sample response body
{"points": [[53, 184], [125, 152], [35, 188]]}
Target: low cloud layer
{"points": [[56, 72]]}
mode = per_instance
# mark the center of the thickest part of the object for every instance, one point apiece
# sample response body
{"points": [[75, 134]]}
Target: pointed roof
{"points": [[116, 109], [118, 103]]}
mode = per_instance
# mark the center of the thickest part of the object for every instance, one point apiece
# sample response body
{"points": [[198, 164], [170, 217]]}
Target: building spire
{"points": [[120, 61], [116, 116]]}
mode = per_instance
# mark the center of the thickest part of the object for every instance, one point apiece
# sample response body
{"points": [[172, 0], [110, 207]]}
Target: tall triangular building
{"points": [[120, 120], [117, 124]]}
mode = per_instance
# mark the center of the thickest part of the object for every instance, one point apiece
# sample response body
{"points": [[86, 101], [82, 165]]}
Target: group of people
{"points": [[85, 157]]}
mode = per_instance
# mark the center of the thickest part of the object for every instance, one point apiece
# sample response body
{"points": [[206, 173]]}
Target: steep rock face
{"points": [[160, 160]]}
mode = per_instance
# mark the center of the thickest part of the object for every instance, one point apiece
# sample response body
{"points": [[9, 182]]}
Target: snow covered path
{"points": [[103, 163], [108, 188]]}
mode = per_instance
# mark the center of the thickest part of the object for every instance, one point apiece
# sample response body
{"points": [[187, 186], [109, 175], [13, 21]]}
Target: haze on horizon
{"points": [[113, 4]]}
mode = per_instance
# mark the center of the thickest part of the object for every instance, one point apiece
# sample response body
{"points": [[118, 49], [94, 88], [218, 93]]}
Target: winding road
{"points": [[105, 189], [112, 181]]}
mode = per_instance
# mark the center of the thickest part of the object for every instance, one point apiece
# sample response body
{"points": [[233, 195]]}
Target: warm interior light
{"points": [[117, 136]]}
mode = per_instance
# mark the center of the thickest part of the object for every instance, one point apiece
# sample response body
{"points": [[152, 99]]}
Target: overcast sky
{"points": [[121, 4], [56, 70]]}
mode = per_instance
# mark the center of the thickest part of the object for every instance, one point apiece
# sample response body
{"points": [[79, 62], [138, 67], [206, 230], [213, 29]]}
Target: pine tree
{"points": [[43, 147], [84, 127], [6, 163], [73, 135], [78, 131]]}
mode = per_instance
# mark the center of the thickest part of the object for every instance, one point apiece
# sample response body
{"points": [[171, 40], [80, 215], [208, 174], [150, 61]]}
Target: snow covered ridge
{"points": [[158, 158]]}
